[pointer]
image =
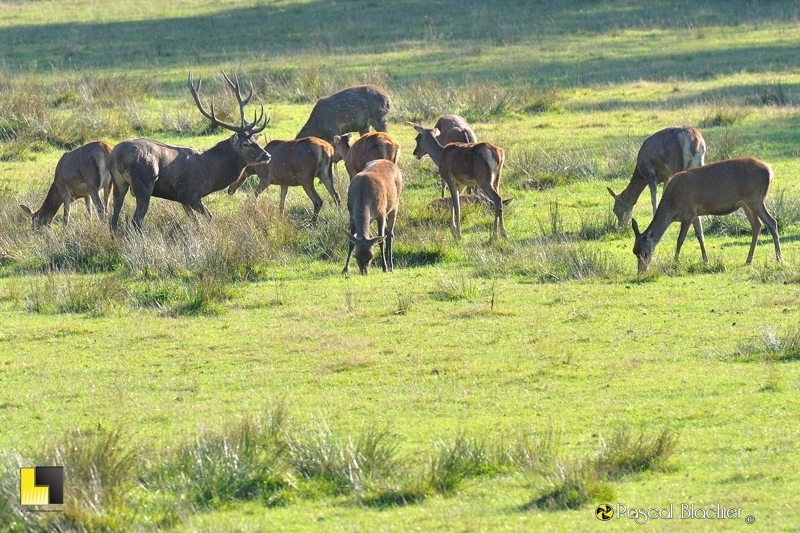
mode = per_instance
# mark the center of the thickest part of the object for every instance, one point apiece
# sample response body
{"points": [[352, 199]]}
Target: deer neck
{"points": [[661, 221], [222, 165], [635, 187], [52, 202], [432, 146]]}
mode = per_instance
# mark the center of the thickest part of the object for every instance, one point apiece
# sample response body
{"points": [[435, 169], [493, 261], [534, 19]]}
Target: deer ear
{"points": [[635, 227], [255, 136], [435, 132], [377, 240], [337, 138], [611, 192], [27, 210], [417, 127], [648, 235]]}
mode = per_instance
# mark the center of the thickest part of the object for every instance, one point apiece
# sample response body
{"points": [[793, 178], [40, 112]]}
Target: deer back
{"points": [[669, 151], [718, 188], [469, 163], [369, 147], [352, 109], [373, 192], [454, 128]]}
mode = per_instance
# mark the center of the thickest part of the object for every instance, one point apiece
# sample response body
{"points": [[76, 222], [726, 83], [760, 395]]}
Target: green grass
{"points": [[479, 386]]}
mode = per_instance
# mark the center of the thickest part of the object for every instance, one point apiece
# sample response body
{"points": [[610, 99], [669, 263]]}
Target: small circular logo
{"points": [[604, 512]]}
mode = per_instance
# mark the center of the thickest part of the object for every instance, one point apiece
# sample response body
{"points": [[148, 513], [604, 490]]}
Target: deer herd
{"points": [[673, 156]]}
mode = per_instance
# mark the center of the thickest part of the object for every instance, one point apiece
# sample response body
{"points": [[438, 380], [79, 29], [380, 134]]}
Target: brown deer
{"points": [[661, 156], [352, 109], [181, 174], [716, 189], [80, 173], [461, 165], [453, 129], [368, 147], [295, 163], [373, 195]]}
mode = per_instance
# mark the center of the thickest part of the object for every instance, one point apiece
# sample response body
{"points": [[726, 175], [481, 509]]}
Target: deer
{"points": [[373, 194], [182, 174], [352, 109], [80, 173], [453, 129], [716, 189], [368, 147], [295, 163], [661, 156], [464, 164]]}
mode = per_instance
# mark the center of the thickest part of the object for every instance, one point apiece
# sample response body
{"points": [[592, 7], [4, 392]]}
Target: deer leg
{"points": [[772, 226], [119, 191], [391, 218], [263, 183], [382, 232], [189, 213], [681, 237], [455, 210], [649, 173], [315, 199], [87, 202], [328, 182], [66, 211], [494, 196], [282, 204], [350, 247], [698, 231], [98, 204], [755, 225], [142, 204]]}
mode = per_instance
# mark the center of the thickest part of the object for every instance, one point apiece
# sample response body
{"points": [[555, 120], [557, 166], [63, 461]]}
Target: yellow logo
{"points": [[604, 512], [42, 485]]}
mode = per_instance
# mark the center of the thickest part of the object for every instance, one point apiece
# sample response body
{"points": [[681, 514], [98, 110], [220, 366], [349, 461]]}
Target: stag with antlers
{"points": [[181, 174]]}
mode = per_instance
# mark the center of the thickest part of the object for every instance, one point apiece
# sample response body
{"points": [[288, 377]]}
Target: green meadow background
{"points": [[224, 375]]}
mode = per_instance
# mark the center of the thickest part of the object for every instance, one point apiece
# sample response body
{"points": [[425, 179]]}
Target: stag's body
{"points": [[461, 165], [181, 174], [369, 147], [453, 129], [716, 189], [352, 109], [373, 195], [295, 163], [80, 173], [662, 155]]}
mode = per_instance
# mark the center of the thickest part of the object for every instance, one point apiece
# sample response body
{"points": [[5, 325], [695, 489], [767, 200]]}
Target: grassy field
{"points": [[224, 375]]}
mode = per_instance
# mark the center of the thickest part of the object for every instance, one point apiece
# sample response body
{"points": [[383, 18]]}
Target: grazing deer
{"points": [[461, 165], [662, 155], [453, 129], [181, 174], [295, 163], [373, 195], [80, 173], [352, 109], [369, 147], [716, 189]]}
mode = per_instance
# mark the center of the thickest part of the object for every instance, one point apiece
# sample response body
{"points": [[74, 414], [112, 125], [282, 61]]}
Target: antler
{"points": [[247, 128]]}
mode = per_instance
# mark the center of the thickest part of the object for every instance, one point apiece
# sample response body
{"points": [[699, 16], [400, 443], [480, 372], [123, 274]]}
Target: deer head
{"points": [[363, 251], [643, 246], [622, 208]]}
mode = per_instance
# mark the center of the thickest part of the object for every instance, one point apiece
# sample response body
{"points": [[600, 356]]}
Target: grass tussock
{"points": [[573, 482], [112, 486], [771, 347], [244, 461], [623, 453]]}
